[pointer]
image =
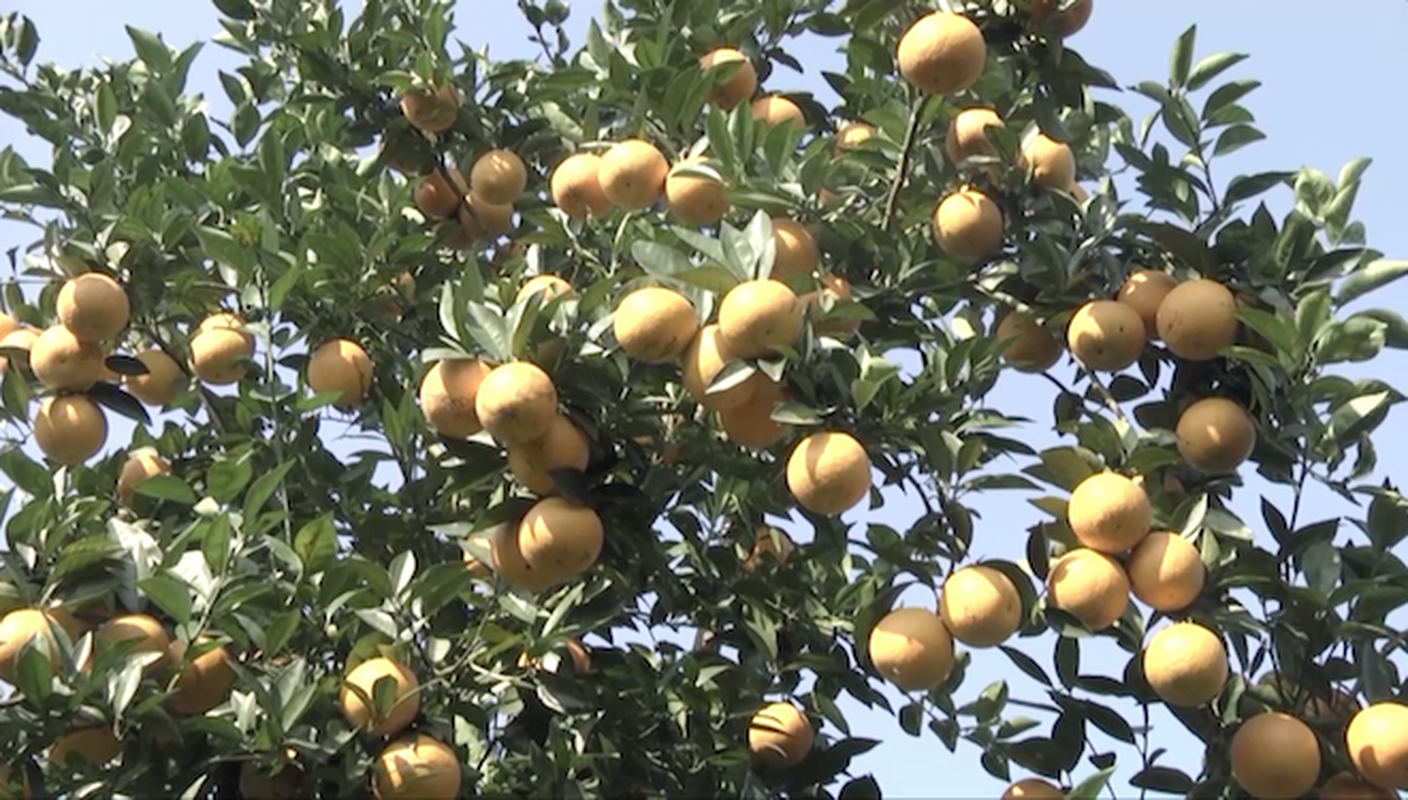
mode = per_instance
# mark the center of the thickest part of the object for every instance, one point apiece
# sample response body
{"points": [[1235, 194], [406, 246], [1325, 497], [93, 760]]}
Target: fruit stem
{"points": [[911, 133]]}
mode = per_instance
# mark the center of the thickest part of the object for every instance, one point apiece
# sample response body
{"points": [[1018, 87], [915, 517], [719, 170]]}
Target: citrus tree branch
{"points": [[911, 133]]}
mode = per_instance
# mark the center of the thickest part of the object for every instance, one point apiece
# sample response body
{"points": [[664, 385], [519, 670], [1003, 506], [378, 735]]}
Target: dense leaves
{"points": [[304, 538]]}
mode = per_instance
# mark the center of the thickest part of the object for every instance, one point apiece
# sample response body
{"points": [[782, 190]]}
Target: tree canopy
{"points": [[497, 423]]}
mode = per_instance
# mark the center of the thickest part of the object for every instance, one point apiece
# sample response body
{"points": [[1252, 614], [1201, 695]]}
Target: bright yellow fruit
{"points": [[564, 446], [701, 363], [1144, 291], [1068, 22], [1348, 786], [575, 186], [1198, 319], [431, 110], [62, 361], [1166, 571], [968, 135], [205, 681], [654, 324], [980, 606], [22, 625], [632, 174], [145, 632], [438, 197], [70, 429], [363, 716], [1109, 512], [751, 424], [447, 395], [1216, 435], [221, 349], [93, 306], [1377, 743], [1090, 586], [1186, 664], [1052, 164], [550, 287], [1033, 789], [499, 177], [738, 86], [1105, 335], [828, 472], [942, 53], [516, 402], [1275, 755], [774, 110], [560, 538], [342, 366], [695, 199], [417, 767], [135, 470], [780, 736], [161, 383], [912, 649], [796, 249], [1032, 347], [968, 225], [756, 316]]}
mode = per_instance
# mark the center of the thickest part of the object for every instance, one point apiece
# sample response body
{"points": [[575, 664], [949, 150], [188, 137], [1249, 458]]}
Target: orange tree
{"points": [[474, 372]]}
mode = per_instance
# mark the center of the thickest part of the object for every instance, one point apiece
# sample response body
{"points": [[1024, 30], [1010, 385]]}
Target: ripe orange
{"points": [[912, 649], [1144, 291], [1186, 664], [738, 86], [1105, 335], [417, 767], [1109, 512], [499, 177], [942, 53], [774, 110], [136, 469], [431, 110], [654, 324], [780, 736], [1166, 571], [828, 472], [1275, 755], [751, 424], [60, 360], [342, 366], [702, 361], [564, 446], [632, 174], [757, 316], [447, 394], [968, 225], [796, 249], [695, 199], [366, 716], [93, 306], [1090, 586], [1377, 742], [161, 383], [1198, 319], [575, 186], [516, 402], [1032, 348], [70, 429], [980, 606], [1216, 435], [559, 538], [1052, 164], [968, 134]]}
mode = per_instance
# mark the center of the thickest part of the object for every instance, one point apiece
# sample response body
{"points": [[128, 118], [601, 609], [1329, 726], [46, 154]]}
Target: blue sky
{"points": [[1333, 89]]}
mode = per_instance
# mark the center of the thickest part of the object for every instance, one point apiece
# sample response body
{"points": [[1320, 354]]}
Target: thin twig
{"points": [[906, 155]]}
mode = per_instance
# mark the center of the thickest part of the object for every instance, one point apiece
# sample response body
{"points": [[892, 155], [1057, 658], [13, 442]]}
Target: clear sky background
{"points": [[1335, 87]]}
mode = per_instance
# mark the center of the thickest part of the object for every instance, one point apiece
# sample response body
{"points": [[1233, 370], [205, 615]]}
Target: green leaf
{"points": [[1091, 787], [316, 543], [1235, 138], [862, 788], [170, 595], [264, 488], [1210, 67], [1350, 416], [167, 487], [1162, 779], [36, 675], [659, 260], [790, 412], [149, 47], [1355, 339], [912, 719], [1181, 59], [227, 478], [1227, 94], [710, 278], [1374, 275]]}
